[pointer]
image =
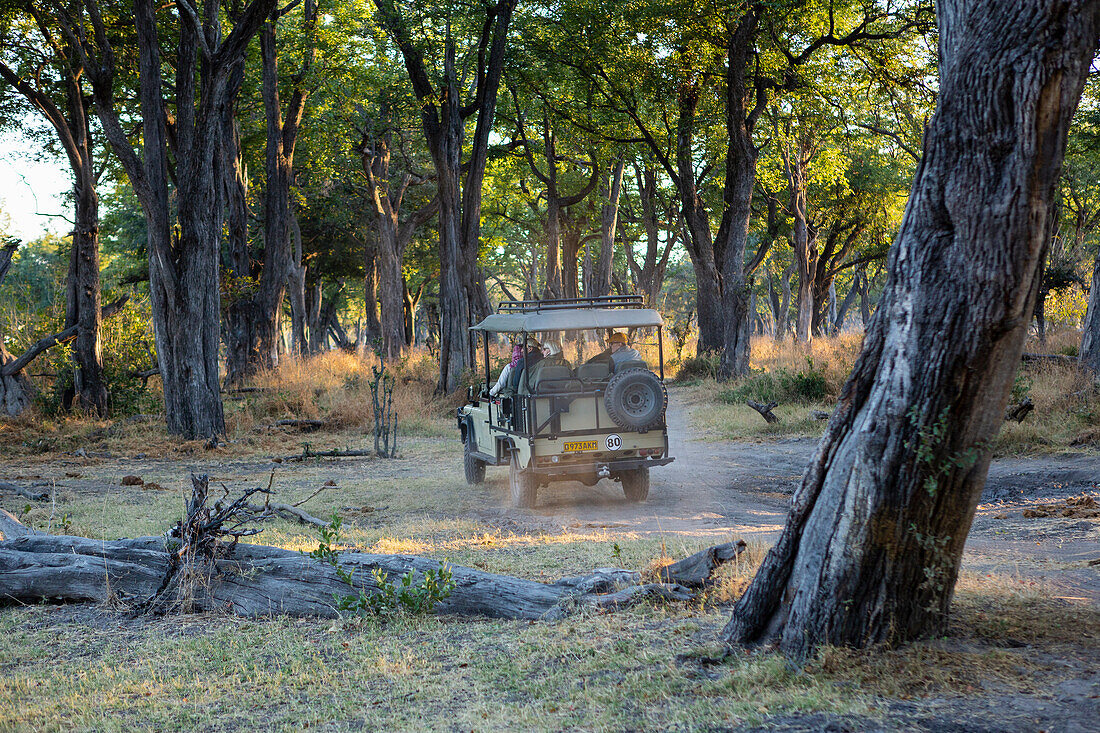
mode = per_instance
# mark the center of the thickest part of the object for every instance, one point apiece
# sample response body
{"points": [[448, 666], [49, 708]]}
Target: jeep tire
{"points": [[523, 484], [635, 483], [473, 467], [636, 399]]}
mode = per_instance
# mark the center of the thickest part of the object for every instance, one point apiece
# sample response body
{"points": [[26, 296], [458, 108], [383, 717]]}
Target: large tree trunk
{"points": [[183, 267], [871, 549], [462, 293], [700, 242], [570, 252], [1090, 332], [600, 283], [733, 234], [392, 282], [83, 311], [82, 285]]}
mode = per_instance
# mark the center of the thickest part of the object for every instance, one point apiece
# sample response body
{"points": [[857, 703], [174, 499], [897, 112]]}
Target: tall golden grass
{"points": [[1067, 401], [336, 387]]}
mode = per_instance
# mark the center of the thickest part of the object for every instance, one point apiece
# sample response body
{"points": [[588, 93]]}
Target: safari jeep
{"points": [[569, 422]]}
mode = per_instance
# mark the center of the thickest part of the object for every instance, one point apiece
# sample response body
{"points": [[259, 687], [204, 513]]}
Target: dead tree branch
{"points": [[764, 410]]}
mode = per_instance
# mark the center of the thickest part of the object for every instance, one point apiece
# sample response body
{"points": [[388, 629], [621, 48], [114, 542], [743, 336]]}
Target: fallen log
{"points": [[1018, 413], [11, 528], [306, 426], [257, 580], [1050, 359], [31, 494], [764, 410], [335, 453]]}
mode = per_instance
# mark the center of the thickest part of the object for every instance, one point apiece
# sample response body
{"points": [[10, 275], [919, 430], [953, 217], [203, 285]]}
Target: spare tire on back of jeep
{"points": [[636, 399]]}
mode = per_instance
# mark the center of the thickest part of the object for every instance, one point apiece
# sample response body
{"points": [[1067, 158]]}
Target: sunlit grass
{"points": [[1066, 415], [650, 668]]}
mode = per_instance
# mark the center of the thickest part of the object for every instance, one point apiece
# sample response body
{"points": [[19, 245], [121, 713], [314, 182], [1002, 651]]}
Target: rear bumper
{"points": [[623, 464]]}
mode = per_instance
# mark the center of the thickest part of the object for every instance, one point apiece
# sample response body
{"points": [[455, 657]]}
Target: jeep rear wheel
{"points": [[473, 467], [635, 483], [523, 483]]}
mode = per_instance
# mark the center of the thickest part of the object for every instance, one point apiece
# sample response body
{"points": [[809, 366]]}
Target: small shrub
{"points": [[701, 366], [387, 598], [781, 385]]}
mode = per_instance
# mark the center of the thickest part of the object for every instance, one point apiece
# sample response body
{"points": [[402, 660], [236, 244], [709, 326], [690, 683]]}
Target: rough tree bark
{"points": [[74, 134], [387, 193], [462, 293], [872, 544], [612, 184], [1090, 334], [744, 104], [183, 259]]}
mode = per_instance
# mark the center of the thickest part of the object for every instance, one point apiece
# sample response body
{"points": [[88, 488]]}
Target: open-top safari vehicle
{"points": [[601, 419]]}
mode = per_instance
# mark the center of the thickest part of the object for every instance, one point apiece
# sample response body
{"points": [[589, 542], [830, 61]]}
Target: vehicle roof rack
{"points": [[603, 301]]}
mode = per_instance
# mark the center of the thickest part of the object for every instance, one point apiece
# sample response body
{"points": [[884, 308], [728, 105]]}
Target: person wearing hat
{"points": [[621, 351], [551, 356], [534, 356], [506, 373], [616, 344]]}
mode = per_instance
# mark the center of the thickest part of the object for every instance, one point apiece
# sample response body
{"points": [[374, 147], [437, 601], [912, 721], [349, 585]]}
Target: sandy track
{"points": [[742, 489]]}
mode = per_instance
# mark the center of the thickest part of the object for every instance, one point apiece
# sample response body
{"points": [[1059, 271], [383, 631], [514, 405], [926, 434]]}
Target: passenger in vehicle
{"points": [[604, 357], [621, 351], [551, 356], [504, 380], [534, 356]]}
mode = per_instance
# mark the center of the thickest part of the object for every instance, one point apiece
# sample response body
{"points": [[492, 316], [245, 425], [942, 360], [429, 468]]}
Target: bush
{"points": [[781, 385], [701, 366]]}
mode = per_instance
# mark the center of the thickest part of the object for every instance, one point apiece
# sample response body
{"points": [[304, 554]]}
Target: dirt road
{"points": [[742, 489]]}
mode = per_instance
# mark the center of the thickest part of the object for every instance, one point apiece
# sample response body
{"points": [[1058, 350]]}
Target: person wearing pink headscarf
{"points": [[506, 372]]}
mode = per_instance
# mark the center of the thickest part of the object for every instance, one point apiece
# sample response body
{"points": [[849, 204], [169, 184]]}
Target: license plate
{"points": [[580, 445]]}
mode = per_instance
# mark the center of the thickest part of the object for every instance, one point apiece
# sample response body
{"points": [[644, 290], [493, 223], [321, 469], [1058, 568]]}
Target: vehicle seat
{"points": [[555, 378], [598, 371], [632, 364]]}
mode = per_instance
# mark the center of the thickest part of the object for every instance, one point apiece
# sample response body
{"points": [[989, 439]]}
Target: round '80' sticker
{"points": [[614, 442]]}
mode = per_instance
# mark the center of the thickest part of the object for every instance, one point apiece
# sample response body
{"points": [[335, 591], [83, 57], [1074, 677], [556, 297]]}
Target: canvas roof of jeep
{"points": [[569, 314]]}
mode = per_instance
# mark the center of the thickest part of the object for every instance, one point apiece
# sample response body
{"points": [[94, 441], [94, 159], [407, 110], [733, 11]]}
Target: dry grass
{"points": [[333, 387], [1066, 415], [650, 668]]}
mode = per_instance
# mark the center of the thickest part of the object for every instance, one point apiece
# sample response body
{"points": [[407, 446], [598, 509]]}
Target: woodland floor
{"points": [[1021, 653]]}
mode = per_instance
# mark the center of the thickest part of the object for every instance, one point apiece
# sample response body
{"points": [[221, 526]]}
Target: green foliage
{"points": [[781, 385], [1021, 387], [700, 366], [386, 598], [929, 444]]}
